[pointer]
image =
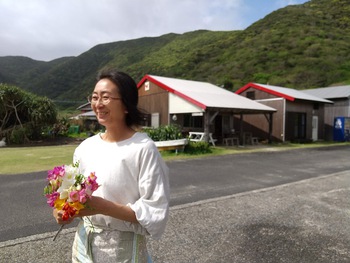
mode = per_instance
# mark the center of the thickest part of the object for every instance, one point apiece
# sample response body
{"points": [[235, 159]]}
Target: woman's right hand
{"points": [[58, 215]]}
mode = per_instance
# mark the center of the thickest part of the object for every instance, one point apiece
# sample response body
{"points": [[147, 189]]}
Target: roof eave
{"points": [[244, 111]]}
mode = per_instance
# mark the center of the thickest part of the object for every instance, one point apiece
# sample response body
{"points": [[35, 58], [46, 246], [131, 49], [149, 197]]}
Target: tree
{"points": [[23, 115]]}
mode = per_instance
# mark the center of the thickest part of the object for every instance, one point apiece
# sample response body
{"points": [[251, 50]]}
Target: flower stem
{"points": [[59, 230]]}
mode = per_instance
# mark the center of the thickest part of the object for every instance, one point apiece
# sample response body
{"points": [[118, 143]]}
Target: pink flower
{"points": [[68, 189], [74, 196], [51, 198], [82, 196], [91, 181], [66, 184], [88, 191], [55, 173]]}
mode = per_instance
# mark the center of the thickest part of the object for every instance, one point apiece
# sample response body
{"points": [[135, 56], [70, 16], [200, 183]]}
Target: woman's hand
{"points": [[58, 215], [99, 205]]}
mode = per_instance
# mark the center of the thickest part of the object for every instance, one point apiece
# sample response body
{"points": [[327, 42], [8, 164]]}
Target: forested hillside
{"points": [[300, 46]]}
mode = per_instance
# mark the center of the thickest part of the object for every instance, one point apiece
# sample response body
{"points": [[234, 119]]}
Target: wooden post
{"points": [[270, 127], [241, 130], [206, 125]]}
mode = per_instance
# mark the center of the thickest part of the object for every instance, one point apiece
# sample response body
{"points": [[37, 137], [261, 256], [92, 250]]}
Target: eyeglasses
{"points": [[105, 99]]}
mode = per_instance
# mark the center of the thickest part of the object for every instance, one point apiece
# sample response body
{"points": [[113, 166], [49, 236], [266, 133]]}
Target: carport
{"points": [[212, 112]]}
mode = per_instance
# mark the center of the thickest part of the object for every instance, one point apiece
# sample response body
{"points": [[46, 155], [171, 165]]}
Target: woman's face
{"points": [[107, 104]]}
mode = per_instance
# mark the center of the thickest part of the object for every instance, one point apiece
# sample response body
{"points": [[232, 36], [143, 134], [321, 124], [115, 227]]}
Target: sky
{"points": [[49, 29]]}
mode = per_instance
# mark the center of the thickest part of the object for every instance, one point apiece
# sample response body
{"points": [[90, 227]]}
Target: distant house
{"points": [[299, 116], [87, 117], [86, 107], [196, 106], [86, 112], [340, 96]]}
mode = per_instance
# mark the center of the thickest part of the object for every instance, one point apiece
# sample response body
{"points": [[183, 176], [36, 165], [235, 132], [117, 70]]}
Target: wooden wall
{"points": [[258, 125], [281, 128], [154, 100]]}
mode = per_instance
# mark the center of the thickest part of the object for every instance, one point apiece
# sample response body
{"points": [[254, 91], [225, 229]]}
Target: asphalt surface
{"points": [[25, 212], [302, 220]]}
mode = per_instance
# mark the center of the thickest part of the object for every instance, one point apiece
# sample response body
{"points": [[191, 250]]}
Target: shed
{"points": [[299, 116], [86, 112], [340, 96], [86, 107], [195, 105]]}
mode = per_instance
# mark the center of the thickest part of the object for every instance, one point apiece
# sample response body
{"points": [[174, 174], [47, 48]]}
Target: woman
{"points": [[133, 198]]}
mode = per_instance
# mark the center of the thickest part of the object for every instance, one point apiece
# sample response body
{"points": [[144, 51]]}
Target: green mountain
{"points": [[299, 46]]}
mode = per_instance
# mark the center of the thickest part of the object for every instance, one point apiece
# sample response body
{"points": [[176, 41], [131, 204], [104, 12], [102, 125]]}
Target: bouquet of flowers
{"points": [[68, 190]]}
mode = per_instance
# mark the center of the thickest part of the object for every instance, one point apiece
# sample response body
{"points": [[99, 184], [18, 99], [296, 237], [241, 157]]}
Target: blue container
{"points": [[341, 129]]}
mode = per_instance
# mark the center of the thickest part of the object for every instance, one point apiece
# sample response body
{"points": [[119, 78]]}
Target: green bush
{"points": [[164, 133], [197, 148], [18, 135], [23, 114]]}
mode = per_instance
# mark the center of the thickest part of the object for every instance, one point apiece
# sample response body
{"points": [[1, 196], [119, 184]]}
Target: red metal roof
{"points": [[287, 93]]}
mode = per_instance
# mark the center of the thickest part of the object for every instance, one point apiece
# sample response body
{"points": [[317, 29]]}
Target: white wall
{"points": [[179, 105]]}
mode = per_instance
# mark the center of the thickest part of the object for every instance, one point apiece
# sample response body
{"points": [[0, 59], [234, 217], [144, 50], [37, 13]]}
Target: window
{"points": [[147, 86], [197, 121], [193, 121], [251, 95]]}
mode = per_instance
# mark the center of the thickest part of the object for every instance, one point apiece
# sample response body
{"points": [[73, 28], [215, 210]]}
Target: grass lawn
{"points": [[33, 159]]}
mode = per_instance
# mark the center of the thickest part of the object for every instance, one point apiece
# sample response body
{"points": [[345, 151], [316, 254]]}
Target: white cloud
{"points": [[282, 3], [45, 29]]}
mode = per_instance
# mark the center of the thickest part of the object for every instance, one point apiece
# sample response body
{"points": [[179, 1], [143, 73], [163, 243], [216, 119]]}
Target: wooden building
{"points": [[299, 117], [196, 106]]}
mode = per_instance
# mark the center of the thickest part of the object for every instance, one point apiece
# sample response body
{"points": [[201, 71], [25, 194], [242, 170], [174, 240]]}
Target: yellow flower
{"points": [[59, 203], [77, 206]]}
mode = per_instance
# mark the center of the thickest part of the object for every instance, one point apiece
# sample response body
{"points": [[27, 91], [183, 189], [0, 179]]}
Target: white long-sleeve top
{"points": [[130, 172]]}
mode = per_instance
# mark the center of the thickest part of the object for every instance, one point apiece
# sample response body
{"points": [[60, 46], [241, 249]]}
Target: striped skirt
{"points": [[93, 245]]}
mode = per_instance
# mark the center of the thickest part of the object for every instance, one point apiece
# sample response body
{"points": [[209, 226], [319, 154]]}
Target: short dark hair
{"points": [[128, 92]]}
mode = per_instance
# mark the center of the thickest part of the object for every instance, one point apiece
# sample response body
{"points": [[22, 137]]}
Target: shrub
{"points": [[197, 148], [18, 135], [23, 115], [164, 133]]}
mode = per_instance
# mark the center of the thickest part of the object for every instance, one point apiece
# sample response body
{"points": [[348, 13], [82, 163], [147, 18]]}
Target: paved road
{"points": [[200, 179], [306, 221], [24, 211]]}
